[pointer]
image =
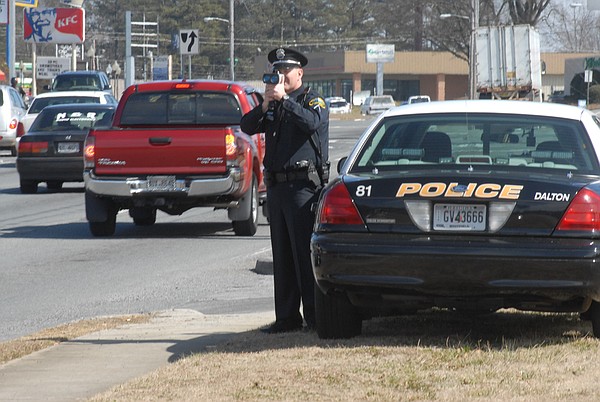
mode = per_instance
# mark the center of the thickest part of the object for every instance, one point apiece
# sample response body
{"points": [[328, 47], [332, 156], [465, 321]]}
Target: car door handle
{"points": [[160, 140]]}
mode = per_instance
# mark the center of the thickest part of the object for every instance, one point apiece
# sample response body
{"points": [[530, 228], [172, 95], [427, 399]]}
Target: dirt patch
{"points": [[46, 338]]}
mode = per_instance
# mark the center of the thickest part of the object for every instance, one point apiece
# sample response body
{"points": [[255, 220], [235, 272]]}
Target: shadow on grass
{"points": [[503, 330]]}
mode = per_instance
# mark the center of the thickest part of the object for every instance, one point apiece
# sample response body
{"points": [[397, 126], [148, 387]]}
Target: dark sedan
{"points": [[52, 150], [464, 205]]}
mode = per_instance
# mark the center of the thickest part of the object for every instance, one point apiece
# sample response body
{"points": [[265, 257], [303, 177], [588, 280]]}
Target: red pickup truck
{"points": [[175, 145]]}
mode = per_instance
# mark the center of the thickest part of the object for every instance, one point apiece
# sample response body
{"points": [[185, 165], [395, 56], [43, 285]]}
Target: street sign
{"points": [[188, 41], [49, 67]]}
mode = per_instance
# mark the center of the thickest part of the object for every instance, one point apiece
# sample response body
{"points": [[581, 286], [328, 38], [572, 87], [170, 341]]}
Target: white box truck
{"points": [[508, 63]]}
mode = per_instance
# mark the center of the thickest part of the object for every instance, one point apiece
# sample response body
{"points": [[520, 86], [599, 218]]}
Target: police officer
{"points": [[295, 121]]}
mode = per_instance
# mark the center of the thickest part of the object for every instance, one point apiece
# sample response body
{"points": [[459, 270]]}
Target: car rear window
{"points": [[40, 103], [477, 141], [163, 108], [72, 120]]}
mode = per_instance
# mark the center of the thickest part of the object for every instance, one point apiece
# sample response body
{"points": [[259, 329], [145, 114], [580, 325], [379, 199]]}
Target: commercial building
{"points": [[441, 75]]}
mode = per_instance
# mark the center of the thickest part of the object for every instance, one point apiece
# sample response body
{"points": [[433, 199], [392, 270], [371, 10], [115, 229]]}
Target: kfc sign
{"points": [[54, 25]]}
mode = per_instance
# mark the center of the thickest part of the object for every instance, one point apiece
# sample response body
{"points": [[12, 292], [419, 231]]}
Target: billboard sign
{"points": [[380, 53], [54, 25]]}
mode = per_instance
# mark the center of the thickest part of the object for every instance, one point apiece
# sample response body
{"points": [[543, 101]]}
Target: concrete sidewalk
{"points": [[81, 368]]}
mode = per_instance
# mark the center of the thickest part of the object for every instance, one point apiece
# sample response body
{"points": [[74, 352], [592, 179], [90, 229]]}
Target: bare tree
{"points": [[572, 28]]}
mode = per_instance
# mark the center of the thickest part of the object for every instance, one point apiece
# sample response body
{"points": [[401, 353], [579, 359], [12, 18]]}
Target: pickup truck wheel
{"points": [[336, 317], [143, 216], [106, 228], [248, 226], [101, 215], [54, 185], [28, 186]]}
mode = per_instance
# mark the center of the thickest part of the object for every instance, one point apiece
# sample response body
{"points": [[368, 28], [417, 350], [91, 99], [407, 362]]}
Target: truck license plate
{"points": [[68, 147], [161, 183], [465, 217]]}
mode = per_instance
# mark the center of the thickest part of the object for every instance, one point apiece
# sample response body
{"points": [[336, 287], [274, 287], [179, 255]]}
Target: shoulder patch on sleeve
{"points": [[317, 103]]}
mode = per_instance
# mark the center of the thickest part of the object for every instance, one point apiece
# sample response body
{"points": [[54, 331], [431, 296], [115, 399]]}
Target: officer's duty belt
{"points": [[283, 177]]}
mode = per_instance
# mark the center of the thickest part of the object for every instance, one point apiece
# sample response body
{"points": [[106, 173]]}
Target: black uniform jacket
{"points": [[295, 120]]}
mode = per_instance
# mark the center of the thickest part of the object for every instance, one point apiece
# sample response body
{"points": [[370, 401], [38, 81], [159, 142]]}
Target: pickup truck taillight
{"points": [[88, 152]]}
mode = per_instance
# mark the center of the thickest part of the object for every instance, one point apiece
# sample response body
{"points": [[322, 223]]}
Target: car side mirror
{"points": [[340, 164]]}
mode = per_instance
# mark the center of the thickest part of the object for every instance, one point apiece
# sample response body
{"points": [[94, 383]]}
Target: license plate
{"points": [[465, 217], [161, 183], [68, 147]]}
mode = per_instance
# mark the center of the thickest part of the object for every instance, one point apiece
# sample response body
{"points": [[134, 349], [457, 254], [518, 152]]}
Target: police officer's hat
{"points": [[286, 57]]}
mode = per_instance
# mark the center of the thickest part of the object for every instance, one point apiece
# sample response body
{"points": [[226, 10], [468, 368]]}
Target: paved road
{"points": [[53, 271]]}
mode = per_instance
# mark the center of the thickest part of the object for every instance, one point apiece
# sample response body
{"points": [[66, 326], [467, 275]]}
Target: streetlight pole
{"points": [[229, 21], [474, 20], [574, 6]]}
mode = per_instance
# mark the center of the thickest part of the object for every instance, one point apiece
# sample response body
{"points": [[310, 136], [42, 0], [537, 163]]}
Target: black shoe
{"points": [[279, 327]]}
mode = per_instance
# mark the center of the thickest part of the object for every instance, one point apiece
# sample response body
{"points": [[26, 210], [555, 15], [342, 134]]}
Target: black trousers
{"points": [[291, 221]]}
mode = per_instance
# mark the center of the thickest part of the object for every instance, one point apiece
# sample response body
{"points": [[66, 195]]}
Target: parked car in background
{"points": [[473, 206], [557, 97], [418, 99], [52, 150], [377, 104], [81, 81], [58, 98], [12, 111], [337, 104]]}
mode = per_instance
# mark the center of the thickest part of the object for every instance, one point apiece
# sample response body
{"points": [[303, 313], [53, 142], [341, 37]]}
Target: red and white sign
{"points": [[54, 25]]}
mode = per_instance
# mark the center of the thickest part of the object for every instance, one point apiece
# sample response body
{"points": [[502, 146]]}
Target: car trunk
{"points": [[508, 203]]}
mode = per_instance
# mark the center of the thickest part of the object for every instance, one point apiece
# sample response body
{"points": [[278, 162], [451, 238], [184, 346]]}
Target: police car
{"points": [[465, 205]]}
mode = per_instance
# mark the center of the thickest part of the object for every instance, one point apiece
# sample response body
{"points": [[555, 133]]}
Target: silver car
{"points": [[12, 110]]}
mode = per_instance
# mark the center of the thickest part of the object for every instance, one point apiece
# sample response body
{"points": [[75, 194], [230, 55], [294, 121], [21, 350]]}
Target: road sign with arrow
{"points": [[188, 41]]}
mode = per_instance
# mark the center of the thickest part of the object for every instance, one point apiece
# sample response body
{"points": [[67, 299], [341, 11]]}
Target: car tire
{"points": [[101, 214], [106, 228], [143, 216], [336, 317], [248, 226], [594, 316], [28, 186], [54, 185], [13, 151]]}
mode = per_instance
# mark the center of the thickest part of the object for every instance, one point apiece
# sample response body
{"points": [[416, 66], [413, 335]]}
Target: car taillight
{"points": [[35, 147], [13, 124], [337, 208], [583, 214], [89, 150], [20, 130]]}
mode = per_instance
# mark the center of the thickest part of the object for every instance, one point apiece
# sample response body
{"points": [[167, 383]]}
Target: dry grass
{"points": [[434, 356], [46, 338]]}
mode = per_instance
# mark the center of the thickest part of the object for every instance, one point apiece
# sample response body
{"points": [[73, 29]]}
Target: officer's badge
{"points": [[280, 54], [317, 103]]}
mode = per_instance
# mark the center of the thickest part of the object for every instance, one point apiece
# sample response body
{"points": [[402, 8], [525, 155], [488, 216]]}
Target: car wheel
{"points": [[248, 226], [143, 216], [594, 315], [13, 151], [28, 186], [336, 316], [101, 214], [106, 228], [54, 185]]}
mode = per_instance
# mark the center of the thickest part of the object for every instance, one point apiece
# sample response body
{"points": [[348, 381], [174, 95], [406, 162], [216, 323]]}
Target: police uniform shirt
{"points": [[287, 136]]}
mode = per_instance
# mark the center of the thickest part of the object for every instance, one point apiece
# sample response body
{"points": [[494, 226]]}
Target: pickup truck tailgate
{"points": [[184, 151]]}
